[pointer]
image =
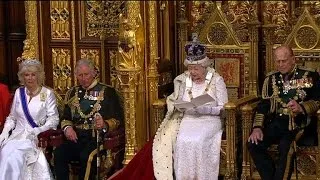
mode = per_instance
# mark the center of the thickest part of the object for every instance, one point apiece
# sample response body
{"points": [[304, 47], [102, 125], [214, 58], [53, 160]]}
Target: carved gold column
{"points": [[31, 48], [269, 35], [183, 24], [253, 35], [230, 109], [130, 78], [246, 116], [152, 76]]}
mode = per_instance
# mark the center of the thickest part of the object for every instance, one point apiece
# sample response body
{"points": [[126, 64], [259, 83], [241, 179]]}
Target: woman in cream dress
{"points": [[187, 143], [34, 110]]}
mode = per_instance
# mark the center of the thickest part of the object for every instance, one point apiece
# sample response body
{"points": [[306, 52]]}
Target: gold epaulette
{"points": [[67, 98], [307, 68], [270, 73]]}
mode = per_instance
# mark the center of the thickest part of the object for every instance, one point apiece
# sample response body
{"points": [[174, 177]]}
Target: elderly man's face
{"points": [[197, 72], [284, 61], [85, 76]]}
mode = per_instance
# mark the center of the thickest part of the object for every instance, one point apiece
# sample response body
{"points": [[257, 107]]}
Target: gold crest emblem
{"points": [[43, 96]]}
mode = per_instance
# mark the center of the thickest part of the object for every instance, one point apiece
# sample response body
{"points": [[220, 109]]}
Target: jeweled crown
{"points": [[195, 50], [29, 62]]}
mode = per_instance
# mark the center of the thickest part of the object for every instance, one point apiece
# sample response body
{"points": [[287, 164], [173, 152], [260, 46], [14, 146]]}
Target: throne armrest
{"points": [[114, 139], [50, 137]]}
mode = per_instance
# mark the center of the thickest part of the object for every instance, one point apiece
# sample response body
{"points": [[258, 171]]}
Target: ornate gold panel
{"points": [[61, 64], [218, 34], [200, 12], [306, 37], [239, 13], [60, 20], [101, 15], [94, 55], [113, 62], [277, 13]]}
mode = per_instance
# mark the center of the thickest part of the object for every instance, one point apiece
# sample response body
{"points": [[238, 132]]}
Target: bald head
{"points": [[284, 59]]}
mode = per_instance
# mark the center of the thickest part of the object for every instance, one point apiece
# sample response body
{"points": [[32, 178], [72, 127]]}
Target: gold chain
{"points": [[95, 108]]}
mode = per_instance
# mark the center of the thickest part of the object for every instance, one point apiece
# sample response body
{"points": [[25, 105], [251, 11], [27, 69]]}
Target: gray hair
{"points": [[87, 63], [31, 65]]}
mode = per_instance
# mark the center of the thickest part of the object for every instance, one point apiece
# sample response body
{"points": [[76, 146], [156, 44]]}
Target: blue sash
{"points": [[25, 108]]}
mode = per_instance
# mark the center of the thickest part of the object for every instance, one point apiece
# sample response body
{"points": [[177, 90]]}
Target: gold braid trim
{"points": [[310, 106], [265, 88], [265, 92], [258, 120], [89, 162], [65, 123], [113, 124]]}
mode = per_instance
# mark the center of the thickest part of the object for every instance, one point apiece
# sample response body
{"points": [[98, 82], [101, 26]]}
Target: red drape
{"points": [[5, 103], [140, 167]]}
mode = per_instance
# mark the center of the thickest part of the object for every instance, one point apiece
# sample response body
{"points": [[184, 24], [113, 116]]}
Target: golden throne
{"points": [[304, 40], [232, 59]]}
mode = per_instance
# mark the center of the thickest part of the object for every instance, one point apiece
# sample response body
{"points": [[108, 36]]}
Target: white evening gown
{"points": [[197, 150], [20, 157]]}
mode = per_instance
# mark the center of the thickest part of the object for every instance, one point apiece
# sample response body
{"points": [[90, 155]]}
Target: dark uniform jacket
{"points": [[81, 106], [302, 85]]}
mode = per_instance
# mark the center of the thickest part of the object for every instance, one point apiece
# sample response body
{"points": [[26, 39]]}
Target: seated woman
{"points": [[187, 143], [33, 111]]}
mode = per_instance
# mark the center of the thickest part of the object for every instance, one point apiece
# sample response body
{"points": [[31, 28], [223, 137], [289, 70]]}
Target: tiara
{"points": [[28, 62], [194, 50]]}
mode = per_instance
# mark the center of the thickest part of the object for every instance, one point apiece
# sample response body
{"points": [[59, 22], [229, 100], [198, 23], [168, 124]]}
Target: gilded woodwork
{"points": [[61, 60], [60, 20], [182, 34], [239, 13], [102, 15], [152, 72], [130, 78], [113, 63], [277, 13], [31, 49], [230, 142]]}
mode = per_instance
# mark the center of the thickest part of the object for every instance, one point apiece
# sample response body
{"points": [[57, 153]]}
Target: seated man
{"points": [[290, 96], [88, 107]]}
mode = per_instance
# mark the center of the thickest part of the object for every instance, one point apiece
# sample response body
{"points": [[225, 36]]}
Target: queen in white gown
{"points": [[34, 110], [187, 143]]}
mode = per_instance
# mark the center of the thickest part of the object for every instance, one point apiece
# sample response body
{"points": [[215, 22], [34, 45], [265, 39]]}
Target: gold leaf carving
{"points": [[307, 37], [61, 62], [276, 12], [60, 17], [239, 13], [103, 15], [130, 41]]}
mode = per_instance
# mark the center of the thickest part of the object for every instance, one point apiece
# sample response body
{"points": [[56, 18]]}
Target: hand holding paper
{"points": [[195, 102]]}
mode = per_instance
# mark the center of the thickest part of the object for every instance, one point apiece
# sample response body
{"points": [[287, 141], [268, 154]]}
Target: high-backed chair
{"points": [[307, 152], [111, 148]]}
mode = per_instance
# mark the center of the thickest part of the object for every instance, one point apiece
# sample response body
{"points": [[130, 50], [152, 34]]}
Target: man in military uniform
{"points": [[290, 97], [90, 107]]}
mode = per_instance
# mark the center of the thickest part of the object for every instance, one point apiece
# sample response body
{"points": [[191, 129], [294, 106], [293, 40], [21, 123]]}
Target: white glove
{"points": [[3, 137], [208, 109]]}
